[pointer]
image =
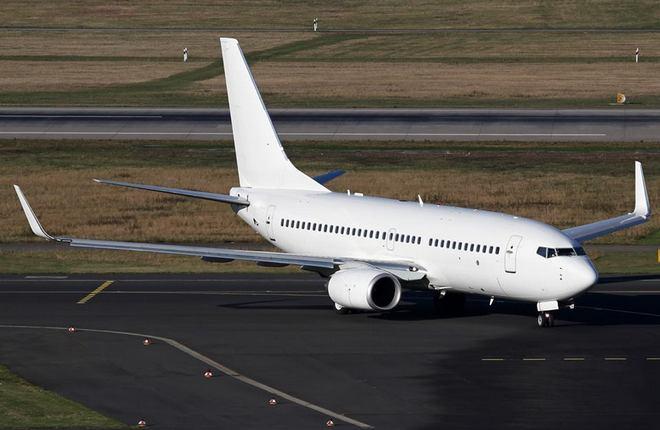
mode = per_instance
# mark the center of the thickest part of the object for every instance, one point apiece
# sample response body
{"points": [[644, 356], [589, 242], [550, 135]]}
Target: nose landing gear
{"points": [[545, 319]]}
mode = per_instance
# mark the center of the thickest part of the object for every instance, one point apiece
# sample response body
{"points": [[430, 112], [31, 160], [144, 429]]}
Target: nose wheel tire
{"points": [[545, 319], [341, 310]]}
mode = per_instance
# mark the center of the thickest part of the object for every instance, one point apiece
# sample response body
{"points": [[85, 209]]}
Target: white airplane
{"points": [[371, 248]]}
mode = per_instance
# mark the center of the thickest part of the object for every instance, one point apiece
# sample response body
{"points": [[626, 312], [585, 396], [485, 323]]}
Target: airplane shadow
{"points": [[593, 308]]}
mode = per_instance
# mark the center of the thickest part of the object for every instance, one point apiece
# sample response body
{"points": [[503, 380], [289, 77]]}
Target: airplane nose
{"points": [[586, 276]]}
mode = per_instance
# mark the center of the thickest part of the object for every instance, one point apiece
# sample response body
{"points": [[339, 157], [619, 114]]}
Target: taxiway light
{"points": [[272, 402], [71, 329], [146, 342], [208, 374], [329, 423], [142, 424]]}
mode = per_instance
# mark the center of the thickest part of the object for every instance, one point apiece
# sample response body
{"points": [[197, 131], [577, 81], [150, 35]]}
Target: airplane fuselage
{"points": [[466, 250]]}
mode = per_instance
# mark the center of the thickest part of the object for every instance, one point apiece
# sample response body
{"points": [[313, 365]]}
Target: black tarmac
{"points": [[276, 337], [610, 124]]}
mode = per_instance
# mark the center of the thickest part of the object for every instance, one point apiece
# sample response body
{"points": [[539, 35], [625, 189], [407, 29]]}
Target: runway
{"points": [[276, 337], [614, 124]]}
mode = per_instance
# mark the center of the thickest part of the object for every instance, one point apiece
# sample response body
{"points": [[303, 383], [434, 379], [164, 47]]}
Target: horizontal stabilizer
{"points": [[640, 215], [224, 198], [327, 177]]}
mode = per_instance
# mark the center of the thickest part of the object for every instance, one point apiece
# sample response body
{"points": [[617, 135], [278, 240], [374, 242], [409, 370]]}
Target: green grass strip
{"points": [[26, 406]]}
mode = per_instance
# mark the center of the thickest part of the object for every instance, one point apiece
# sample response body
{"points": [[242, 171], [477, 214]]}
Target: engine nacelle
{"points": [[366, 289]]}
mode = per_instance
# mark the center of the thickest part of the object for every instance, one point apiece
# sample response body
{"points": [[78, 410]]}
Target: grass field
{"points": [[338, 14], [536, 180], [25, 406], [300, 68], [68, 261]]}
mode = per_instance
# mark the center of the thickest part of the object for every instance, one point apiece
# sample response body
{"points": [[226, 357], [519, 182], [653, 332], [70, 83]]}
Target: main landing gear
{"points": [[449, 303], [545, 319]]}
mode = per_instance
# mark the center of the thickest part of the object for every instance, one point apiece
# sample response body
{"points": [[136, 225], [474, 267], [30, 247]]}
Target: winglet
{"points": [[35, 225], [642, 207]]}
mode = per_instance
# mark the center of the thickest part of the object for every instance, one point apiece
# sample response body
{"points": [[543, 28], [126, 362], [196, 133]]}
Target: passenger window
{"points": [[396, 238], [297, 224], [430, 241], [453, 245], [377, 234], [490, 250], [497, 250], [484, 249], [435, 243], [478, 248], [471, 247]]}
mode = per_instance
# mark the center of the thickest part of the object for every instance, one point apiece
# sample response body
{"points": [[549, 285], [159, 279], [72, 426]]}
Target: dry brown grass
{"points": [[70, 204], [60, 76], [433, 81], [99, 211], [333, 14], [508, 45], [562, 200], [136, 43]]}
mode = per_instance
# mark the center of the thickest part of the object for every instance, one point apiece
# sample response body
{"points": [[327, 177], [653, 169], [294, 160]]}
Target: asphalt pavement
{"points": [[617, 123], [276, 337]]}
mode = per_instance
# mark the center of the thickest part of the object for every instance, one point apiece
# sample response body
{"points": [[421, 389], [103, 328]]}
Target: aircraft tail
{"points": [[261, 160]]}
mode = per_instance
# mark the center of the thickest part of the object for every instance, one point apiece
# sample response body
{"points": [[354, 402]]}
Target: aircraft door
{"points": [[511, 254], [270, 219], [390, 239]]}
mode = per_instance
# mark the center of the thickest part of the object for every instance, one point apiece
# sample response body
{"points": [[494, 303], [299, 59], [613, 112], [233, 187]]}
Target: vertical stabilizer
{"points": [[261, 160]]}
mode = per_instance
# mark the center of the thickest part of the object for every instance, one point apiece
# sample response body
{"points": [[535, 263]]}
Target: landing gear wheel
{"points": [[545, 319], [341, 310]]}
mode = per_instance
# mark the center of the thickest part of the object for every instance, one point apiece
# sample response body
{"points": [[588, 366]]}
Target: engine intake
{"points": [[366, 289]]}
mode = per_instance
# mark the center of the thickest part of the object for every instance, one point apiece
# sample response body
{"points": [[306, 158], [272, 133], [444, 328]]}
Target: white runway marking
{"points": [[315, 293], [646, 314], [78, 116], [184, 133], [64, 278], [210, 362]]}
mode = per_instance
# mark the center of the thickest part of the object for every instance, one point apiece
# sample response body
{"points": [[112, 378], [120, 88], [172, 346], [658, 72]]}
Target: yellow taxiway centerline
{"points": [[91, 295]]}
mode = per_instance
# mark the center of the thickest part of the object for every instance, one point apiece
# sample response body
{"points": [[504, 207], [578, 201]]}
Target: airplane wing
{"points": [[640, 215], [402, 269], [178, 191]]}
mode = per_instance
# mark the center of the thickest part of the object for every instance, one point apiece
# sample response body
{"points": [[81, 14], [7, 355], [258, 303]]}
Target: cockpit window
{"points": [[559, 252]]}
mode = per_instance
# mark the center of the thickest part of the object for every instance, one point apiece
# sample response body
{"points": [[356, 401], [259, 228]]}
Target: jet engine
{"points": [[366, 289]]}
